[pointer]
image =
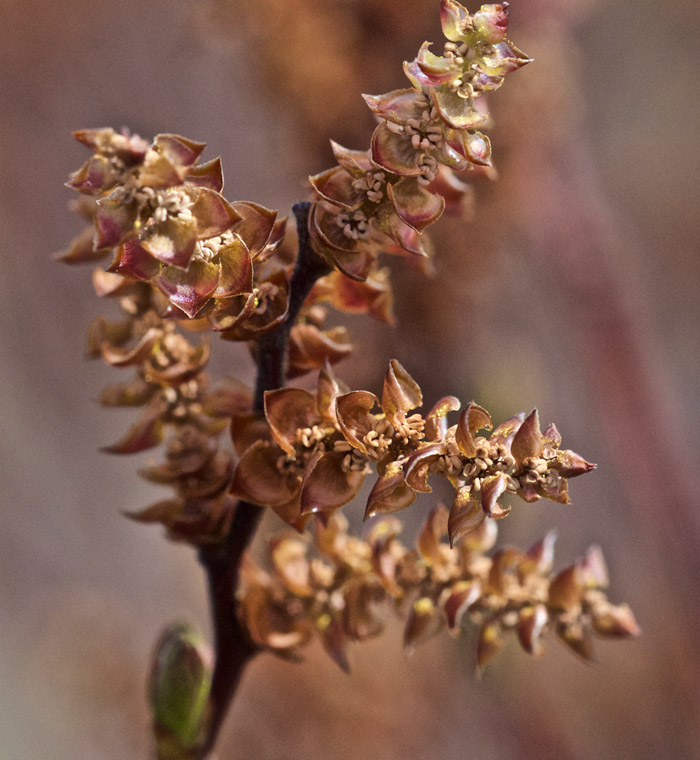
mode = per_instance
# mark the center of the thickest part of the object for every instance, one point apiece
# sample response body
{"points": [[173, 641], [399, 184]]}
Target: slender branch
{"points": [[272, 348], [222, 562]]}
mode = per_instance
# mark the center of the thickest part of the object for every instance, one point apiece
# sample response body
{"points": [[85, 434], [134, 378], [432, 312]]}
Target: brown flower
{"points": [[300, 471], [329, 587]]}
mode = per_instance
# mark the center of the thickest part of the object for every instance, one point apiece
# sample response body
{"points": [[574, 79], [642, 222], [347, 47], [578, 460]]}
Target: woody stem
{"points": [[221, 562]]}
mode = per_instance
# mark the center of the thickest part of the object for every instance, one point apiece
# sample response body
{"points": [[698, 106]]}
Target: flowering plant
{"points": [[184, 261]]}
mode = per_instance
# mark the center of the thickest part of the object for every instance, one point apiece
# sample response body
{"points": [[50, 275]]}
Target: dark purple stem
{"points": [[221, 563]]}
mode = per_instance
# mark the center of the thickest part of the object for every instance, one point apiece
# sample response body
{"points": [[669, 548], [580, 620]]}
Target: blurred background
{"points": [[574, 288]]}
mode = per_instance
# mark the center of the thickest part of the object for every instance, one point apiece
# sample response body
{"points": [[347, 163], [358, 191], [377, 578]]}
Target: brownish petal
{"points": [[81, 249], [230, 397], [373, 296], [456, 111], [209, 174], [477, 147], [172, 242], [328, 389], [566, 590], [397, 106], [430, 537], [287, 410], [406, 239], [164, 512], [542, 553], [491, 22], [531, 492], [270, 625], [414, 204], [436, 421], [461, 597], [258, 479], [422, 624], [322, 224], [466, 515], [357, 265], [505, 58], [570, 464], [452, 153], [482, 539], [353, 414], [232, 312], [416, 469], [214, 214], [256, 226], [459, 196], [455, 20], [401, 392], [236, 276], [311, 348], [577, 638], [135, 393], [114, 221], [158, 172], [436, 68], [556, 489], [390, 493], [101, 331], [94, 177], [492, 488], [326, 486], [532, 624], [145, 434], [118, 357], [504, 565], [190, 289], [249, 321], [593, 569], [180, 151], [108, 284], [358, 621], [552, 436], [356, 162], [182, 370], [528, 440], [131, 259], [616, 621], [334, 640], [472, 419], [335, 186], [246, 429], [395, 152], [490, 642], [506, 430], [288, 556]]}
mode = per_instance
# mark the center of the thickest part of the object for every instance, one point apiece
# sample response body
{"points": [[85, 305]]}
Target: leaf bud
{"points": [[178, 690]]}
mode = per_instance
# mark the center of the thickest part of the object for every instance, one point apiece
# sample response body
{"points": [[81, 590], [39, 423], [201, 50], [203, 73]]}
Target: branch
{"points": [[221, 563]]}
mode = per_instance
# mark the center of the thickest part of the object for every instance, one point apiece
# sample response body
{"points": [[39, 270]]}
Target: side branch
{"points": [[221, 563]]}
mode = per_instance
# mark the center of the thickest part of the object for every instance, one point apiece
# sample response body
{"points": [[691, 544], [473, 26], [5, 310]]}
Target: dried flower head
{"points": [[321, 446], [333, 587], [383, 199]]}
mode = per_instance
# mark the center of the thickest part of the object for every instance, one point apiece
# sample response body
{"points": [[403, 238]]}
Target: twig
{"points": [[222, 562]]}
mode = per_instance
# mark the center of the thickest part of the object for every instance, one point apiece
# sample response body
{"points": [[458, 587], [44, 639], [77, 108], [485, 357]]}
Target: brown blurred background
{"points": [[575, 289]]}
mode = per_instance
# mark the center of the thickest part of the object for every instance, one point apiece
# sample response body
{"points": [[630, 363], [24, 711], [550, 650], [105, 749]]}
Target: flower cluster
{"points": [[384, 198], [179, 407], [165, 221], [332, 589], [313, 454], [186, 260], [223, 266]]}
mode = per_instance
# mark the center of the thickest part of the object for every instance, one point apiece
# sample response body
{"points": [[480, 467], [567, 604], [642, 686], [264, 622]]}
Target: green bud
{"points": [[179, 688]]}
